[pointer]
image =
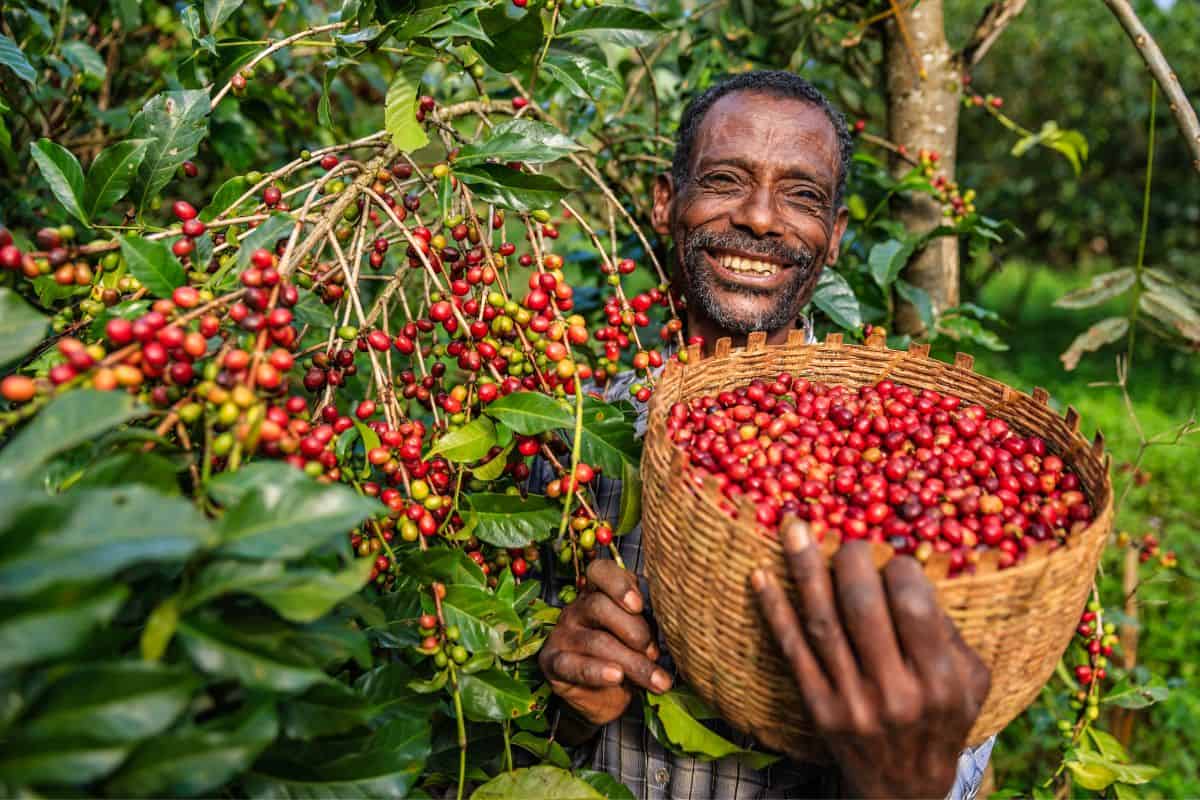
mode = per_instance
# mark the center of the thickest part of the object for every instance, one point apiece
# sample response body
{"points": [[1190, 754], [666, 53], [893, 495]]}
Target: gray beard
{"points": [[700, 282]]}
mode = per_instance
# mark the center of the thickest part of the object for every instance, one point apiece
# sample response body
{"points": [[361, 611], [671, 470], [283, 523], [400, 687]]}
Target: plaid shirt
{"points": [[630, 753]]}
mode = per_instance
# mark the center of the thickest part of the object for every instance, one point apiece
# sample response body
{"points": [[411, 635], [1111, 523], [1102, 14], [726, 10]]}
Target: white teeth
{"points": [[747, 265]]}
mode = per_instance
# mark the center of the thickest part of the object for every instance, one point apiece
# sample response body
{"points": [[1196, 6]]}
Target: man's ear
{"points": [[664, 196], [835, 240]]}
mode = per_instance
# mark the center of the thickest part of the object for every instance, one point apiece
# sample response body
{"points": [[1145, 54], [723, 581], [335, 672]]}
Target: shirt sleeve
{"points": [[971, 766]]}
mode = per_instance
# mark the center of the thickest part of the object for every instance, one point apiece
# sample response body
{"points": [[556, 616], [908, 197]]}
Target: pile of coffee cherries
{"points": [[919, 470]]}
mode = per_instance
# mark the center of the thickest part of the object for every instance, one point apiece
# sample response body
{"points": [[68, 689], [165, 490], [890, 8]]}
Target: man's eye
{"points": [[719, 179], [804, 195]]}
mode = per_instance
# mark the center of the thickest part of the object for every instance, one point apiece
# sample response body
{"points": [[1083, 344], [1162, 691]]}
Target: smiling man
{"points": [[753, 205]]}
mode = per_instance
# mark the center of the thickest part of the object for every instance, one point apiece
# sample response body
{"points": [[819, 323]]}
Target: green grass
{"points": [[1165, 388]]}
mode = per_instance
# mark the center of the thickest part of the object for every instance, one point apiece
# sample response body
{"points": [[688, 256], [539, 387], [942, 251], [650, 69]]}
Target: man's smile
{"points": [[749, 270]]}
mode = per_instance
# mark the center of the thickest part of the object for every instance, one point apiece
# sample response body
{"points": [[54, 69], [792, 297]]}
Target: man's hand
{"points": [[885, 676], [601, 647]]}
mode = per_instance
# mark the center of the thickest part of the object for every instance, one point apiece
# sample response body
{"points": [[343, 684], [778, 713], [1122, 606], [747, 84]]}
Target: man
{"points": [[753, 205]]}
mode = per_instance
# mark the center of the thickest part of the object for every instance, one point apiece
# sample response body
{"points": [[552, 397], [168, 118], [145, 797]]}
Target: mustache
{"points": [[769, 249]]}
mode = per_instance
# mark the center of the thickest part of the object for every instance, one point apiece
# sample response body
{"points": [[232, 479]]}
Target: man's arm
{"points": [[881, 669]]}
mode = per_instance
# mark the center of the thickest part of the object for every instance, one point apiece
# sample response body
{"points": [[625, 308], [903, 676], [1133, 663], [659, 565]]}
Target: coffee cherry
{"points": [[183, 210], [17, 388]]}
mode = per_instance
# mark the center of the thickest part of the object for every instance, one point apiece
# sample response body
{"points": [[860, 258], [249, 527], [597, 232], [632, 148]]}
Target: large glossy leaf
{"points": [[610, 443], [584, 77], [481, 617], [962, 328], [1103, 287], [174, 122], [61, 761], [1106, 331], [385, 763], [622, 25], [300, 595], [630, 514], [469, 443], [449, 565], [269, 231], [124, 468], [837, 300], [679, 712], [887, 259], [12, 57], [197, 759], [520, 191], [62, 171], [289, 515], [1126, 694], [84, 58], [546, 750], [257, 655], [524, 140], [536, 783], [387, 689], [111, 175], [605, 784], [400, 107], [54, 623], [326, 709], [225, 197], [920, 300], [108, 530], [506, 520], [217, 11], [514, 39], [71, 419], [530, 413], [121, 701], [21, 327], [153, 263], [493, 695]]}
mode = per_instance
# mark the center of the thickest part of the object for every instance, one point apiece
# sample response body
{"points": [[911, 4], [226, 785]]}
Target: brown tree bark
{"points": [[924, 91]]}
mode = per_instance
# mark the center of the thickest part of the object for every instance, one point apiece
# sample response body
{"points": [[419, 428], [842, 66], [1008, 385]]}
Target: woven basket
{"points": [[698, 558]]}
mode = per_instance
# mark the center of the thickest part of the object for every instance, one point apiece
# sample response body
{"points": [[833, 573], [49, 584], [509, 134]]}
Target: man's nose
{"points": [[756, 214]]}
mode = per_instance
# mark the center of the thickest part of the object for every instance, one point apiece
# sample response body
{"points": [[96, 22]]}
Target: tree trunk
{"points": [[923, 114]]}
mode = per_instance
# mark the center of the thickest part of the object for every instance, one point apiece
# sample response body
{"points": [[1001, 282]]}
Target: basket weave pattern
{"points": [[698, 558]]}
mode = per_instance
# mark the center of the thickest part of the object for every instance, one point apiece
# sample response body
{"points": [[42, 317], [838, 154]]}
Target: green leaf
{"points": [[197, 760], [1095, 775], [21, 327], [326, 709], [1130, 695], [494, 468], [111, 175], [837, 300], [324, 114], [469, 443], [1103, 287], [449, 565], [523, 140], [630, 513], [514, 40], [400, 107], [887, 259], [622, 26], [504, 520], [160, 629], [70, 419], [585, 78], [153, 263], [919, 298], [467, 26], [1123, 791], [258, 656], [269, 231], [679, 712], [124, 468], [84, 58], [546, 750], [493, 695], [299, 595], [960, 328], [55, 623], [174, 122], [309, 310], [12, 57], [530, 413], [225, 197], [62, 171], [536, 783], [1108, 745], [289, 516], [482, 619], [1106, 331], [606, 784], [65, 761], [520, 191], [217, 11], [108, 530], [121, 701], [384, 763], [610, 443]]}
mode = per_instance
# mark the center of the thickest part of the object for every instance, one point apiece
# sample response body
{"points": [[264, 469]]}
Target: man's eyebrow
{"points": [[747, 165]]}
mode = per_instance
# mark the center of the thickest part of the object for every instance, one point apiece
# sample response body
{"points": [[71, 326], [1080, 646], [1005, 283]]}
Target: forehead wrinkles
{"points": [[771, 132]]}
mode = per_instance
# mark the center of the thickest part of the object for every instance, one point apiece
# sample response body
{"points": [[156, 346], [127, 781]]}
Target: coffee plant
{"points": [[295, 303]]}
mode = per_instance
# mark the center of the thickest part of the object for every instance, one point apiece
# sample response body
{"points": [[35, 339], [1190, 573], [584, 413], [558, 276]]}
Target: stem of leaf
{"points": [[508, 761], [1141, 253], [462, 732]]}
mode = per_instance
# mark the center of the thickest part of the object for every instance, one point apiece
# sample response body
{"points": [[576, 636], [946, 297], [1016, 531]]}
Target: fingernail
{"points": [[632, 601], [795, 537], [758, 579], [611, 674], [660, 680]]}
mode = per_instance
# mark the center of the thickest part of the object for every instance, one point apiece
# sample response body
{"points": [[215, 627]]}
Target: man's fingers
{"points": [[578, 669], [619, 584], [924, 636], [785, 625], [633, 664], [597, 610]]}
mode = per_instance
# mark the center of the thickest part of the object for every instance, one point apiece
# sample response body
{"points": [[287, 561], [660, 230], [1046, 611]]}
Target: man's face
{"points": [[757, 219]]}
